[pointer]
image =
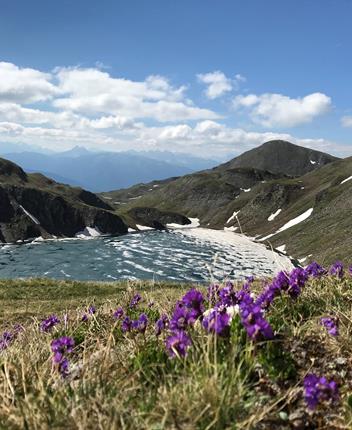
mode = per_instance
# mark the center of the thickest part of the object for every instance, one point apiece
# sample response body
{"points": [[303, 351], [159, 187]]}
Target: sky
{"points": [[210, 78]]}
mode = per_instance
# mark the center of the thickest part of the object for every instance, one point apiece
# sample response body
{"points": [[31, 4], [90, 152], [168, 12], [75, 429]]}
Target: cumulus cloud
{"points": [[90, 107], [346, 121], [92, 91], [24, 85], [218, 84], [276, 110]]}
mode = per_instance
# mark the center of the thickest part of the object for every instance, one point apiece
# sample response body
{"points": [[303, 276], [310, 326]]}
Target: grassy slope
{"points": [[129, 382]]}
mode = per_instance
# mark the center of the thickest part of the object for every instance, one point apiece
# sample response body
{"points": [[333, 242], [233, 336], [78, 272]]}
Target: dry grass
{"points": [[128, 382]]}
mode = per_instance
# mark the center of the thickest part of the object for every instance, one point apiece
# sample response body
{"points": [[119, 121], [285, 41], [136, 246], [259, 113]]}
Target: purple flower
{"points": [[228, 295], [91, 310], [177, 343], [253, 321], [183, 316], [217, 322], [60, 348], [85, 317], [318, 390], [267, 296], [118, 314], [126, 324], [194, 300], [315, 270], [135, 300], [350, 270], [297, 280], [161, 324], [331, 325], [47, 324], [5, 340], [337, 270], [140, 324]]}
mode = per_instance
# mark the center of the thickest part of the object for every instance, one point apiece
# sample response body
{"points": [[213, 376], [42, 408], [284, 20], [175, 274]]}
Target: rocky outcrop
{"points": [[155, 218], [33, 205]]}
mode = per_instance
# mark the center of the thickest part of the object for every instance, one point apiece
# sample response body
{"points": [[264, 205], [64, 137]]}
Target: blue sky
{"points": [[214, 77]]}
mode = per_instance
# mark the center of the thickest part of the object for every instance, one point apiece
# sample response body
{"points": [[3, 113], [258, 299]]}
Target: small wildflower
{"points": [[140, 324], [118, 314], [60, 348], [217, 322], [177, 343], [161, 324], [91, 310], [85, 317], [126, 324], [135, 300], [50, 322], [318, 390], [331, 325], [337, 270], [315, 270]]}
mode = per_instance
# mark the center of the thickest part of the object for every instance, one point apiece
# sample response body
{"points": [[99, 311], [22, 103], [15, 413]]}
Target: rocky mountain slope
{"points": [[32, 205], [273, 193]]}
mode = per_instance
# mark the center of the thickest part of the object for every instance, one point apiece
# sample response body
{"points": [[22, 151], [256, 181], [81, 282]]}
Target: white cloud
{"points": [[94, 92], [346, 121], [218, 84], [24, 85], [276, 110], [90, 107]]}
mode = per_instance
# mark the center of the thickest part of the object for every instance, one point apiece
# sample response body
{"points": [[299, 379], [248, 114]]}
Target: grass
{"points": [[128, 381]]}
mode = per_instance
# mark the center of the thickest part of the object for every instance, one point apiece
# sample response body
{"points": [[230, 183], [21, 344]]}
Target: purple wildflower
{"points": [[297, 280], [60, 348], [126, 324], [350, 270], [182, 317], [253, 321], [315, 270], [135, 300], [331, 325], [5, 340], [118, 314], [337, 270], [217, 322], [228, 295], [177, 343], [161, 324], [91, 310], [194, 300], [140, 324], [85, 317], [47, 324], [318, 390], [267, 296]]}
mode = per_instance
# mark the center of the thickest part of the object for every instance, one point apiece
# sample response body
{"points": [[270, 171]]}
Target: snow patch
{"points": [[345, 180], [232, 228], [88, 232], [233, 216], [312, 162], [194, 224], [144, 227], [33, 218], [131, 230], [291, 223], [281, 248], [274, 215], [246, 190]]}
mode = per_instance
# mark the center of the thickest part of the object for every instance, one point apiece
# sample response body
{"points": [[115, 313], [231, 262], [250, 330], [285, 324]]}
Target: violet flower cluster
{"points": [[319, 390], [47, 324], [61, 347], [331, 325]]}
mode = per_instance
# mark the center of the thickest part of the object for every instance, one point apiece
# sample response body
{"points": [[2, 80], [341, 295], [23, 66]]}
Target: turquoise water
{"points": [[147, 255]]}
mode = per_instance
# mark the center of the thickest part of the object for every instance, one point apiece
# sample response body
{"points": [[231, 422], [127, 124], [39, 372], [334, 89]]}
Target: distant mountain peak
{"points": [[76, 151], [281, 157]]}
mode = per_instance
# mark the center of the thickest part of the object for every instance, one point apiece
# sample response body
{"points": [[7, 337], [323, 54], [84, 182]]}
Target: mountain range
{"points": [[291, 198], [102, 171]]}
